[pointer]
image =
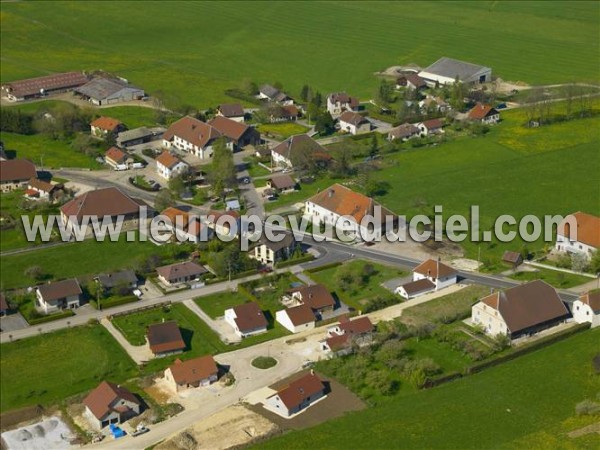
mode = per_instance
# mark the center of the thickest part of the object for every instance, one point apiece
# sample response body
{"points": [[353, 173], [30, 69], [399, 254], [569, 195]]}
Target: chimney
{"points": [[312, 372], [163, 320], [330, 193]]}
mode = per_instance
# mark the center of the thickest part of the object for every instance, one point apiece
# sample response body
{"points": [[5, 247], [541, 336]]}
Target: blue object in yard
{"points": [[296, 284], [501, 106], [116, 431]]}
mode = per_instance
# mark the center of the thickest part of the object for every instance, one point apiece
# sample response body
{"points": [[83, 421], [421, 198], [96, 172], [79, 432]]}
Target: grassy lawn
{"points": [[46, 369], [140, 180], [199, 338], [496, 173], [282, 130], [299, 196], [215, 304], [74, 259], [254, 169], [515, 405], [55, 154], [357, 297], [132, 116], [560, 280], [36, 36]]}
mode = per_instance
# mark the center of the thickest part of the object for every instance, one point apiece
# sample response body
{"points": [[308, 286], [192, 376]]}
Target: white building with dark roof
{"points": [[105, 91], [447, 70]]}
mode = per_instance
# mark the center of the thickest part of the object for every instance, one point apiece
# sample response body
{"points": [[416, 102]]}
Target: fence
{"points": [[141, 308]]}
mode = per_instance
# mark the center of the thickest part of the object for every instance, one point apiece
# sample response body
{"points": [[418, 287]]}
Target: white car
{"points": [[137, 293]]}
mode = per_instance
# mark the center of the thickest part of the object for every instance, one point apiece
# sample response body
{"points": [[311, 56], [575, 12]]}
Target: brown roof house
{"points": [[521, 310], [579, 233], [169, 165], [186, 226], [348, 333], [338, 102], [404, 132], [165, 339], [297, 396], [15, 174], [17, 91], [269, 252], [430, 275], [587, 308], [121, 282], [192, 136], [182, 272], [317, 297], [108, 202], [233, 111], [57, 295], [110, 403], [192, 373], [484, 114], [337, 201], [103, 126], [239, 134], [116, 157], [354, 123], [246, 319], [283, 154], [410, 80], [42, 190], [297, 318], [513, 259], [282, 183], [432, 126]]}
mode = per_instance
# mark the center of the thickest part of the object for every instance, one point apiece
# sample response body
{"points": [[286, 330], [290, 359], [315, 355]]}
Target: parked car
{"points": [[141, 429], [137, 165], [121, 167]]}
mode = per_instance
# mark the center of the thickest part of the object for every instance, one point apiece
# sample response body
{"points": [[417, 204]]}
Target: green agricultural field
{"points": [[76, 259], [282, 130], [46, 369], [560, 280], [42, 150], [357, 296], [525, 403], [192, 53]]}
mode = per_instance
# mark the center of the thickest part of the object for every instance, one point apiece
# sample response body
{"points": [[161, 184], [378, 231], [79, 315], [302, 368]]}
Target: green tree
{"points": [[595, 262], [304, 158], [374, 147], [223, 172], [163, 200], [34, 272], [324, 124], [305, 93], [384, 93], [177, 184]]}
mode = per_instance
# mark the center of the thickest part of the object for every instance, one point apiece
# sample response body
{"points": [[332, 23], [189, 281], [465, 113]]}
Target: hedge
{"points": [[111, 302], [235, 276], [544, 342], [51, 317], [324, 267], [292, 262]]}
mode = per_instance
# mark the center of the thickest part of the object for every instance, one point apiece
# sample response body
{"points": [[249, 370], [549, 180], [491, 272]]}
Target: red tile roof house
{"points": [[297, 396], [15, 174], [297, 318], [224, 223], [110, 202], [103, 126], [329, 205], [183, 272], [165, 339], [269, 252], [239, 134], [432, 126], [110, 403], [338, 102], [246, 319], [169, 165], [520, 311], [193, 373], [233, 111], [41, 190], [192, 136], [348, 333], [187, 228], [282, 154], [430, 275], [52, 297], [17, 91], [117, 157], [354, 123], [317, 297], [484, 114], [587, 308], [584, 240]]}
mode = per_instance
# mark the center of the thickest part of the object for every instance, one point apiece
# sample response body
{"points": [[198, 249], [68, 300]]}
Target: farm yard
{"points": [[506, 406], [264, 52]]}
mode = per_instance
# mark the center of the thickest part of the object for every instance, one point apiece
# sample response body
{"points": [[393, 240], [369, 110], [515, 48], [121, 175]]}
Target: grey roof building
{"points": [[104, 91], [445, 70]]}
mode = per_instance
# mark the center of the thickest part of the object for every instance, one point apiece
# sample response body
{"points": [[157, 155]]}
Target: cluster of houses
{"points": [[20, 173]]}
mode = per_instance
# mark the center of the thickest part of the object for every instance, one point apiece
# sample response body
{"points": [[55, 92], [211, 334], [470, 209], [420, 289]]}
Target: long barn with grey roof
{"points": [[447, 70]]}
